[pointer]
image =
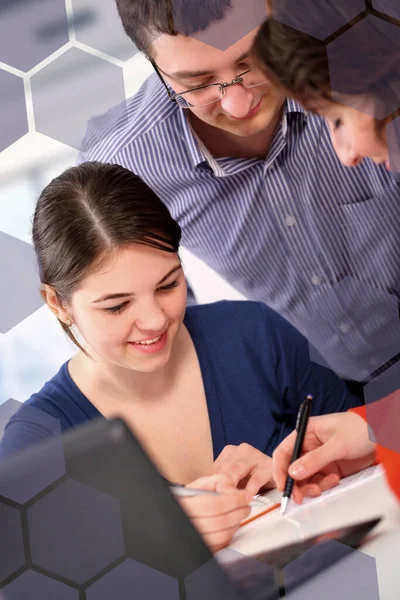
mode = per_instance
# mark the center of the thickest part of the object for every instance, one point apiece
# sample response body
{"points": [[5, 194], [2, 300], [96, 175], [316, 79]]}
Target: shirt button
{"points": [[316, 280], [345, 327], [290, 220]]}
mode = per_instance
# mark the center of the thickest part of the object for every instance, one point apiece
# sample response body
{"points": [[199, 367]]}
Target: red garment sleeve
{"points": [[388, 458]]}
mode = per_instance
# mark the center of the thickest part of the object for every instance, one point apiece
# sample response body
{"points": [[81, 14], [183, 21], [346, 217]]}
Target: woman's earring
{"points": [[68, 323]]}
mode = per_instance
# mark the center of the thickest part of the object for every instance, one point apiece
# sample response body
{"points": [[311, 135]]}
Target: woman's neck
{"points": [[122, 386]]}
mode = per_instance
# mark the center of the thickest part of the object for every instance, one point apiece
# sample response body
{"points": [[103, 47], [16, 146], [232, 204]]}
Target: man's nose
{"points": [[237, 101]]}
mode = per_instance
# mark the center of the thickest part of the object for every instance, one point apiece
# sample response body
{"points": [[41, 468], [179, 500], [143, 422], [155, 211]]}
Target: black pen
{"points": [[301, 428]]}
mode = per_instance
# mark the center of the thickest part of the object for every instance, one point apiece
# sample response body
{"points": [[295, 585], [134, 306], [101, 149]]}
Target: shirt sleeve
{"points": [[298, 376], [389, 459]]}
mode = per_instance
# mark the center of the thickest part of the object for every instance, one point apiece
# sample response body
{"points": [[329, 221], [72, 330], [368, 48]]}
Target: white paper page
{"points": [[267, 503], [344, 484]]}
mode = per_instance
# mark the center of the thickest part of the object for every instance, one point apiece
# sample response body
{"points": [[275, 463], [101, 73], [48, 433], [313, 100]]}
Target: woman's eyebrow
{"points": [[118, 296], [112, 297], [170, 272]]}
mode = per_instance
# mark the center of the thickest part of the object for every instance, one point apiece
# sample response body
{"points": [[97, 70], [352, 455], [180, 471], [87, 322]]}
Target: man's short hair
{"points": [[145, 20]]}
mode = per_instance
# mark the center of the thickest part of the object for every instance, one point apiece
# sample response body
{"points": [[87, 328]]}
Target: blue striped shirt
{"points": [[318, 242]]}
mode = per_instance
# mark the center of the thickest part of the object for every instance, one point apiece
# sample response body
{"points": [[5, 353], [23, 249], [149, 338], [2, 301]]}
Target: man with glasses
{"points": [[214, 92], [255, 184]]}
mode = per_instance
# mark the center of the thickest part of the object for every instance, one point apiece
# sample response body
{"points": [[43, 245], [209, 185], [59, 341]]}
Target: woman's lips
{"points": [[153, 347]]}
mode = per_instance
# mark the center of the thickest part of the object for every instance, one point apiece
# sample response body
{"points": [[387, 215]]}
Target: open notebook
{"points": [[272, 498], [344, 484]]}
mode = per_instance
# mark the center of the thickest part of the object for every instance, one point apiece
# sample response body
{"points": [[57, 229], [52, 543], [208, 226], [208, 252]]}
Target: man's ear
{"points": [[53, 301]]}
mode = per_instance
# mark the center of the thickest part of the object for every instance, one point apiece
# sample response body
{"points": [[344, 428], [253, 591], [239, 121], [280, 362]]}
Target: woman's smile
{"points": [[151, 346]]}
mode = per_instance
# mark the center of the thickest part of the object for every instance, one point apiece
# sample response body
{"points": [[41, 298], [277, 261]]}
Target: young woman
{"points": [[208, 390], [353, 79]]}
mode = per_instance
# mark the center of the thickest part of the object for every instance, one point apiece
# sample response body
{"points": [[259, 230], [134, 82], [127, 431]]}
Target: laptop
{"points": [[87, 516]]}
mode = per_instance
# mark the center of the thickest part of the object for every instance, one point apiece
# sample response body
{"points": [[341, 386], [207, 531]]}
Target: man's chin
{"points": [[247, 127]]}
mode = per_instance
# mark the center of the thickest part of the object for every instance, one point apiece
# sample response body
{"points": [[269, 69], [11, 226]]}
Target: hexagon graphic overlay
{"points": [[131, 575], [13, 115], [31, 31], [382, 399], [248, 576], [369, 336], [363, 67], [75, 531], [7, 410], [34, 459], [72, 90], [209, 581], [217, 24], [229, 25], [388, 7], [344, 573], [98, 25], [317, 18], [393, 141], [12, 555], [22, 296], [36, 586]]}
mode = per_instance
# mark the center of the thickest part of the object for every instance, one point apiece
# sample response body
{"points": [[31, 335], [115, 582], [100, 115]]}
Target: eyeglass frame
{"points": [[223, 85]]}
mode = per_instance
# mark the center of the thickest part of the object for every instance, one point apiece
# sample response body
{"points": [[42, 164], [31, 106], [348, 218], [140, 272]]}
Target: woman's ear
{"points": [[53, 301]]}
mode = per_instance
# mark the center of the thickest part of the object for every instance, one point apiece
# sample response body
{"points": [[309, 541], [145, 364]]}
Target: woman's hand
{"points": [[246, 467], [335, 446], [216, 517]]}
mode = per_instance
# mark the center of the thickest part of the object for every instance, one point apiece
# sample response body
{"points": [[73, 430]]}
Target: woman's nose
{"points": [[150, 317], [351, 159], [346, 152]]}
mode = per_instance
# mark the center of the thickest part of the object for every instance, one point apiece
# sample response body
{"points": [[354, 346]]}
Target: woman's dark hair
{"points": [[293, 60], [86, 214], [362, 61], [144, 20]]}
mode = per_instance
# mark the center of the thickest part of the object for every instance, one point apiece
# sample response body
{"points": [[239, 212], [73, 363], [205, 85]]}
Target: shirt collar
{"points": [[194, 145], [292, 109], [292, 106], [200, 155]]}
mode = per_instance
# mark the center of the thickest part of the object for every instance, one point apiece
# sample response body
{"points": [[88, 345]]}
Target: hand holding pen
{"points": [[301, 428], [215, 514]]}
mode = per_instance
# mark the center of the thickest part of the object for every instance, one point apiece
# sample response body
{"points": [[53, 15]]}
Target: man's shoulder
{"points": [[128, 123]]}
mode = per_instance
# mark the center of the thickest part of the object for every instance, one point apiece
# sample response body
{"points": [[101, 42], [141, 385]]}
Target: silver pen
{"points": [[184, 492]]}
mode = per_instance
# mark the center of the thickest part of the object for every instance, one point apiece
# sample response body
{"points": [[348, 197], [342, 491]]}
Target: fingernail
{"points": [[297, 471]]}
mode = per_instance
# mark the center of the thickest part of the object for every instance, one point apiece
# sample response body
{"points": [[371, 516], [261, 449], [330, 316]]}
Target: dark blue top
{"points": [[256, 372]]}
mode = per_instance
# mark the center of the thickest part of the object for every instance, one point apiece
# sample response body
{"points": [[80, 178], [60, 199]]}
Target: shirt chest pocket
{"points": [[372, 239]]}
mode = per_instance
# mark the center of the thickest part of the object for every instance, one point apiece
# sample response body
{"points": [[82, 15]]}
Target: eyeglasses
{"points": [[208, 94]]}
